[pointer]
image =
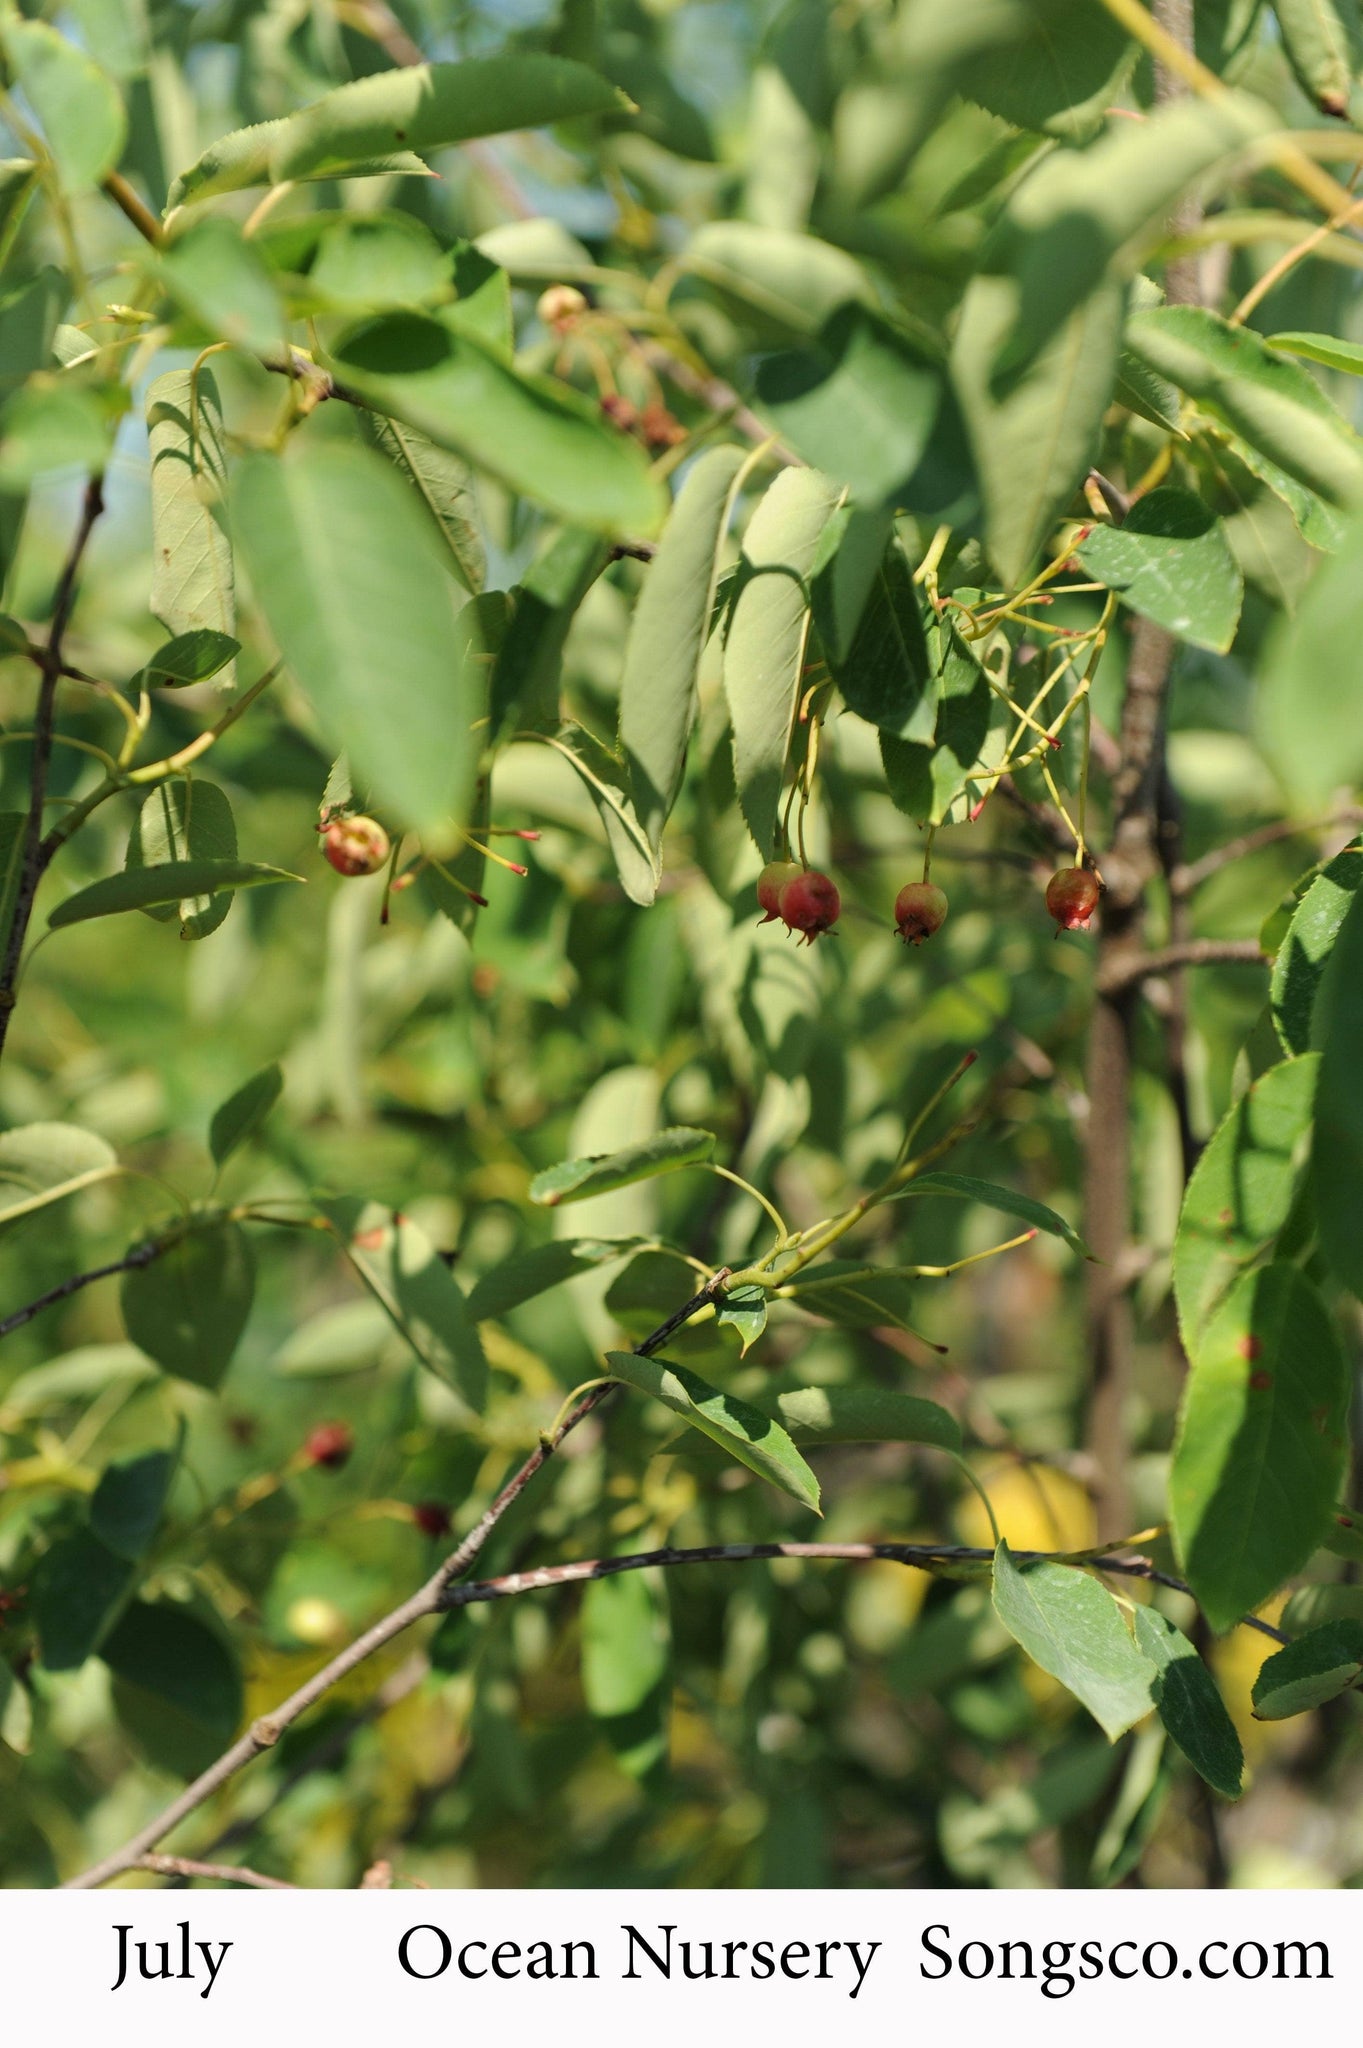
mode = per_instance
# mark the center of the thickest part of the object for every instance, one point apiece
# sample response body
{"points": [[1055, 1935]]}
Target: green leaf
{"points": [[743, 1309], [1312, 1605], [1049, 65], [654, 1283], [754, 1439], [1316, 1668], [1321, 348], [1310, 707], [28, 319], [527, 676], [534, 1272], [242, 159], [1337, 1149], [186, 822], [626, 1642], [126, 1506], [1242, 1189], [42, 1163], [337, 1341], [377, 123], [170, 882], [539, 248], [1006, 1200], [191, 579], [1034, 433], [608, 784], [626, 1662], [188, 1307], [927, 781], [786, 283], [1188, 1703], [1074, 222], [1270, 401], [764, 650], [1303, 952], [403, 1271], [444, 485], [188, 658], [177, 1685], [482, 304], [366, 262], [856, 1303], [79, 108], [1344, 1537], [1141, 391], [865, 1415], [538, 436], [50, 426], [357, 593], [433, 106], [1072, 1627], [239, 1118], [1321, 44], [1261, 1443], [224, 283], [888, 676], [849, 561], [664, 1152], [79, 1586], [859, 405], [1170, 561], [667, 637]]}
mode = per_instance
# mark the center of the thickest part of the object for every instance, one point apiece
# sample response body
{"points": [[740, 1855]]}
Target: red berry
{"points": [[770, 883], [809, 903], [1072, 897], [330, 1444], [355, 846], [920, 909], [432, 1518]]}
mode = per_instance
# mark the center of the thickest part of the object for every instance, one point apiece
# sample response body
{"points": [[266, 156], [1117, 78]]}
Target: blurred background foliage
{"points": [[784, 1724]]}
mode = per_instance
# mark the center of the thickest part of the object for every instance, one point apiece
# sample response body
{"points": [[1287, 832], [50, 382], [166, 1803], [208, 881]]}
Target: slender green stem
{"points": [[773, 1212], [966, 1467]]}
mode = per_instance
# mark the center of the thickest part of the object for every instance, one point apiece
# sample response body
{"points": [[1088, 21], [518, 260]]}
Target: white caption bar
{"points": [[213, 1967]]}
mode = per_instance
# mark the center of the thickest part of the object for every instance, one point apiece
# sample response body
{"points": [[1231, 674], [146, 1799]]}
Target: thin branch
{"points": [[32, 862], [1124, 970], [398, 1685], [126, 200], [265, 1731], [140, 1255], [225, 1873], [1190, 875], [925, 1557]]}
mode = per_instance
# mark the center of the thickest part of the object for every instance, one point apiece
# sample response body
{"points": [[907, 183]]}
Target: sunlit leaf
{"points": [[1072, 1627], [357, 592], [664, 1152], [754, 1439], [1261, 1442], [1242, 1189]]}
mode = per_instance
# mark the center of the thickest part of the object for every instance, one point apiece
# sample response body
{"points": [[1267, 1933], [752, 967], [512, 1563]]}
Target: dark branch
{"points": [[926, 1557], [140, 1255], [1192, 874], [1123, 970], [32, 863]]}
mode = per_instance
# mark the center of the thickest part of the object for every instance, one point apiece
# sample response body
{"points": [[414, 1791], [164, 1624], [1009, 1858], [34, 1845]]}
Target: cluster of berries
{"points": [[807, 902]]}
